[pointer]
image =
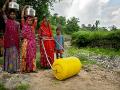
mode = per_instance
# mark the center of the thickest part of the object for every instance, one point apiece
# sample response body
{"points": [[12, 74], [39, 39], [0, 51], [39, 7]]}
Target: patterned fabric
{"points": [[11, 36], [48, 43], [11, 46], [28, 49], [60, 44], [33, 26], [11, 63]]}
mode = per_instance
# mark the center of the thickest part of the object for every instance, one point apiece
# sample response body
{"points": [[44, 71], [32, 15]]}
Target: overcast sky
{"points": [[107, 11]]}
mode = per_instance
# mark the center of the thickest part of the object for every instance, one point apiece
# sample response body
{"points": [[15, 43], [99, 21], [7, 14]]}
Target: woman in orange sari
{"points": [[47, 44]]}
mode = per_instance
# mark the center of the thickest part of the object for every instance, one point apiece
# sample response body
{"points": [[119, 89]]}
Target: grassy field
{"points": [[82, 53]]}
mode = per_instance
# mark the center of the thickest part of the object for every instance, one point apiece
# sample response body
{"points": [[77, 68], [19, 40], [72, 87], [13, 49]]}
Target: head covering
{"points": [[27, 18]]}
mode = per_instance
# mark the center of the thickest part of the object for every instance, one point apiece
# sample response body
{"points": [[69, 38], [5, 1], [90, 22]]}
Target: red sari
{"points": [[45, 33]]}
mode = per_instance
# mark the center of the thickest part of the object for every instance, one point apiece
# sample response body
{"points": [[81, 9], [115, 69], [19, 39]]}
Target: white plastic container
{"points": [[30, 11], [13, 5]]}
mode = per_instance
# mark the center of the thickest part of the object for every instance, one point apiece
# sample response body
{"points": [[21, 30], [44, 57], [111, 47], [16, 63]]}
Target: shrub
{"points": [[104, 39]]}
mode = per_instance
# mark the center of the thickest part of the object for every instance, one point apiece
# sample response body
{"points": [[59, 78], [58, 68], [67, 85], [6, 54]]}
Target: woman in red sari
{"points": [[47, 43], [28, 63]]}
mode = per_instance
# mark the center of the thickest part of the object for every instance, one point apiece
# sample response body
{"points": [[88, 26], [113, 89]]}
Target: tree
{"points": [[104, 29], [56, 20], [93, 28], [72, 25], [97, 22], [41, 6], [113, 28], [62, 20], [89, 25], [83, 26]]}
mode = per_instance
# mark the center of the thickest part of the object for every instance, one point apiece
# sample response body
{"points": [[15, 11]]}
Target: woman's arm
{"points": [[22, 15], [3, 9], [4, 6], [35, 22]]}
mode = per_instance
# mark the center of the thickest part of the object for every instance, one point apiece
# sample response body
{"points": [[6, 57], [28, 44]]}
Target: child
{"points": [[59, 43]]}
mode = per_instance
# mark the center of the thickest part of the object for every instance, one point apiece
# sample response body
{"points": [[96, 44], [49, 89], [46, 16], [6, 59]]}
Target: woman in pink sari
{"points": [[29, 44], [11, 42]]}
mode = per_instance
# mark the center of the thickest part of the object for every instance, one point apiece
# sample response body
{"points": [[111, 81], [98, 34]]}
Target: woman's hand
{"points": [[4, 6], [23, 10]]}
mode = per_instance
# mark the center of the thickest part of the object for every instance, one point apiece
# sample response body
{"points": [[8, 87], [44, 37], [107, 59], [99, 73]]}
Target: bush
{"points": [[104, 39]]}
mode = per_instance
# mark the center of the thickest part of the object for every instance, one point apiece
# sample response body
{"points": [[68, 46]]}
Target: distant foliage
{"points": [[104, 39], [72, 25]]}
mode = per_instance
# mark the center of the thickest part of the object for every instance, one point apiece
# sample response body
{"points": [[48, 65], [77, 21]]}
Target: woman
{"points": [[29, 44], [46, 44], [11, 42]]}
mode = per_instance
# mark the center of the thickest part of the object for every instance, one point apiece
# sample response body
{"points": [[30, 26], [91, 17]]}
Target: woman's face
{"points": [[12, 15], [58, 32], [30, 21], [45, 20]]}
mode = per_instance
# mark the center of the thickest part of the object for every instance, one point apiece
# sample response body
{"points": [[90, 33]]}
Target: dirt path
{"points": [[92, 78]]}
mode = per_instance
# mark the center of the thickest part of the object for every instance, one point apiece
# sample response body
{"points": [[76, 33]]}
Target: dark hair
{"points": [[44, 16], [58, 29], [12, 10]]}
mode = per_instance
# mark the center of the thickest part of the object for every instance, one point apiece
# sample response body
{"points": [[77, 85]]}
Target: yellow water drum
{"points": [[66, 67]]}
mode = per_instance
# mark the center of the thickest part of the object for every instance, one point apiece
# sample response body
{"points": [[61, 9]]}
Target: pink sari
{"points": [[28, 49]]}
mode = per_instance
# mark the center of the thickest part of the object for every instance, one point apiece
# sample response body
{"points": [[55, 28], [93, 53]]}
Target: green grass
{"points": [[108, 52], [1, 61], [2, 87], [78, 53], [38, 60], [22, 87], [82, 53], [85, 61]]}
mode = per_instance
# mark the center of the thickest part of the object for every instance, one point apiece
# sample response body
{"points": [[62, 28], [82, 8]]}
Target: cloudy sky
{"points": [[107, 11]]}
